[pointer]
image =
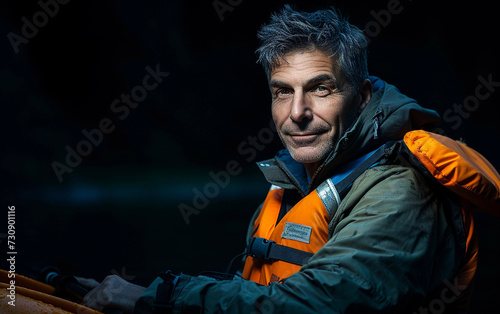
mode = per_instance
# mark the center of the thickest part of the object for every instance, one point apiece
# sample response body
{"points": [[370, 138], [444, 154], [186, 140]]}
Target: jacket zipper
{"points": [[376, 123]]}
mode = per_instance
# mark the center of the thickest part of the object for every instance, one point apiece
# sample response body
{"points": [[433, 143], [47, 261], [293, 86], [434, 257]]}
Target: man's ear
{"points": [[365, 93]]}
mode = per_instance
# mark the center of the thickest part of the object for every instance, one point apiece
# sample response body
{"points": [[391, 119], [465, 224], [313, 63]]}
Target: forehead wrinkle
{"points": [[282, 79], [304, 64], [320, 63]]}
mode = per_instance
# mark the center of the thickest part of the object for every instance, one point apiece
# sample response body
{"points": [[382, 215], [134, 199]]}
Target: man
{"points": [[390, 245]]}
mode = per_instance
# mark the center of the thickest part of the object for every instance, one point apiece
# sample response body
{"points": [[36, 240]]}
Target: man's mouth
{"points": [[302, 138]]}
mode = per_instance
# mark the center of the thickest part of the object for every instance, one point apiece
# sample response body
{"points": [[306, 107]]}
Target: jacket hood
{"points": [[388, 116]]}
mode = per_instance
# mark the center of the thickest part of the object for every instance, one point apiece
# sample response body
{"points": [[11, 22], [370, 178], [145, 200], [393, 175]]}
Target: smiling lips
{"points": [[305, 137]]}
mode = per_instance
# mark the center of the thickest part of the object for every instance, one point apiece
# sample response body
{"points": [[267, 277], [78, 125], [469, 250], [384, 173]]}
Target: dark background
{"points": [[117, 212]]}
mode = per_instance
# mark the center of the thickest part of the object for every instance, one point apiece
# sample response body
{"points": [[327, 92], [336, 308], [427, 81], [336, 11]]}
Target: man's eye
{"points": [[283, 93], [322, 90]]}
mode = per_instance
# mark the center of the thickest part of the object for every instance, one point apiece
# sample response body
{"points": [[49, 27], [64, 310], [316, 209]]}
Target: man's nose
{"points": [[301, 108]]}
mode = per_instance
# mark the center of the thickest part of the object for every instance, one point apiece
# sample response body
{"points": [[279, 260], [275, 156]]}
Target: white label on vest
{"points": [[297, 232]]}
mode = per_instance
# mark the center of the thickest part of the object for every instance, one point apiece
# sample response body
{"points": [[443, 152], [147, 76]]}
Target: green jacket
{"points": [[392, 247]]}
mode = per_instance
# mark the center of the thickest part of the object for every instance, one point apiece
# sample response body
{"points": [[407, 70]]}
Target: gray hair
{"points": [[326, 30]]}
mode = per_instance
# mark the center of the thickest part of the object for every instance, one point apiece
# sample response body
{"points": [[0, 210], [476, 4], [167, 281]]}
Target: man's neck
{"points": [[312, 167]]}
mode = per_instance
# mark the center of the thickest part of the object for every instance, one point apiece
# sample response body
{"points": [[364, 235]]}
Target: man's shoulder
{"points": [[391, 180], [398, 193]]}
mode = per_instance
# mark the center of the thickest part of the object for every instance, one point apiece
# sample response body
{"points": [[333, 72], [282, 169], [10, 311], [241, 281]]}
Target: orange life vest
{"points": [[304, 227], [279, 249]]}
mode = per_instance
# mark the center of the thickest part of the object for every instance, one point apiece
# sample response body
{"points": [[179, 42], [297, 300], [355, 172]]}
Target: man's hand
{"points": [[113, 293]]}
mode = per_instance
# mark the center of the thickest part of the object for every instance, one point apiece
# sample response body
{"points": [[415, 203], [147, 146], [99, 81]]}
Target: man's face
{"points": [[310, 108]]}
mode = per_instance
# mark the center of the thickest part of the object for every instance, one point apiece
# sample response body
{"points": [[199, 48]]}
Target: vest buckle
{"points": [[260, 248]]}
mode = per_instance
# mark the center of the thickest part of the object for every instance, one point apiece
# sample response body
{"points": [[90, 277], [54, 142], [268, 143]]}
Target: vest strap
{"points": [[332, 190], [270, 250], [350, 172]]}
